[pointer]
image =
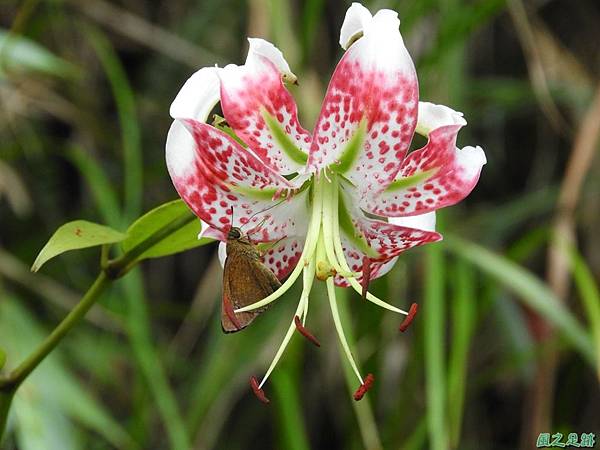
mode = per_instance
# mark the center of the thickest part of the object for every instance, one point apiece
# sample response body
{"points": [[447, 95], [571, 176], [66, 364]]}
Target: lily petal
{"points": [[357, 19], [432, 116], [441, 175], [387, 240], [373, 86], [213, 174], [263, 114], [283, 256], [198, 96]]}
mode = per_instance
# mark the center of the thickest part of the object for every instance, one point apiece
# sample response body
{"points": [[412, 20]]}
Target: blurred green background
{"points": [[507, 342]]}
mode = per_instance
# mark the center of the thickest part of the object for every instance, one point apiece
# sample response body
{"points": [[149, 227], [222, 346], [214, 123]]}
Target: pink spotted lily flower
{"points": [[340, 203]]}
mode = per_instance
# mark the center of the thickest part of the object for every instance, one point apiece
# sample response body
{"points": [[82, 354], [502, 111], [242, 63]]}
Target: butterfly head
{"points": [[234, 234]]}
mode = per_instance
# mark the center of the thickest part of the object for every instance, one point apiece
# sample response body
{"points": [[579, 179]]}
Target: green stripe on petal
{"points": [[354, 235], [283, 139], [350, 152], [255, 193], [221, 124], [413, 180]]}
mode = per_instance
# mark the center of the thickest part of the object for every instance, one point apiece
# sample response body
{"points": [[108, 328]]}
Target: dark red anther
{"points": [[366, 276], [260, 394], [304, 332], [228, 307], [363, 388], [412, 312]]}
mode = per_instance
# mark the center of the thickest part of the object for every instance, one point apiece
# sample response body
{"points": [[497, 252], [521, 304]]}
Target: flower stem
{"points": [[5, 401], [119, 267]]}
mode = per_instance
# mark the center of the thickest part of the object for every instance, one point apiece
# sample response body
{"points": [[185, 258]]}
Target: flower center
{"points": [[323, 257]]}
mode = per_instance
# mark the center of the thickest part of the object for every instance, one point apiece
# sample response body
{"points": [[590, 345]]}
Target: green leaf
{"points": [[2, 358], [20, 54], [73, 236], [183, 239]]}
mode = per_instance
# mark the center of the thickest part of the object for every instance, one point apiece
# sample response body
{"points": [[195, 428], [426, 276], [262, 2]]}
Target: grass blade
{"points": [[130, 132], [533, 292], [435, 380], [463, 322], [590, 297]]}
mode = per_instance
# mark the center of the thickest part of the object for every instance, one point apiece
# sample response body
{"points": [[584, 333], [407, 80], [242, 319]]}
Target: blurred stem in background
{"points": [[362, 409], [434, 319], [463, 316]]}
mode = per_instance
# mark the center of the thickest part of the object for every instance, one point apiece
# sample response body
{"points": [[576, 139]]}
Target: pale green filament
{"points": [[340, 254], [338, 326], [329, 218], [308, 276]]}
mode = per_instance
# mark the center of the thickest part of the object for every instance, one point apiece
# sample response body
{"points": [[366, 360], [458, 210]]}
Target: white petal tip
{"points": [[261, 48], [198, 96], [432, 116], [356, 20], [474, 156]]}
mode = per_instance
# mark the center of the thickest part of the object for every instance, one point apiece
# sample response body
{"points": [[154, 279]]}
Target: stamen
{"points": [[229, 312], [370, 297], [307, 286], [338, 326], [330, 199], [304, 332], [260, 394], [364, 387], [366, 276], [412, 312]]}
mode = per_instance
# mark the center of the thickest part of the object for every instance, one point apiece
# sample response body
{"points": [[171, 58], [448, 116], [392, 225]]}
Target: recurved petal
{"points": [[356, 20], [198, 95], [370, 110], [385, 240], [259, 48], [432, 116], [433, 177], [221, 181], [263, 114]]}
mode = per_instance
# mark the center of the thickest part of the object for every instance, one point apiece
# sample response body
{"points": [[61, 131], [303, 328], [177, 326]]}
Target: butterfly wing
{"points": [[245, 281]]}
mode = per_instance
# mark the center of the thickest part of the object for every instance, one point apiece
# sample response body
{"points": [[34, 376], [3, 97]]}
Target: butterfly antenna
{"points": [[259, 212]]}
